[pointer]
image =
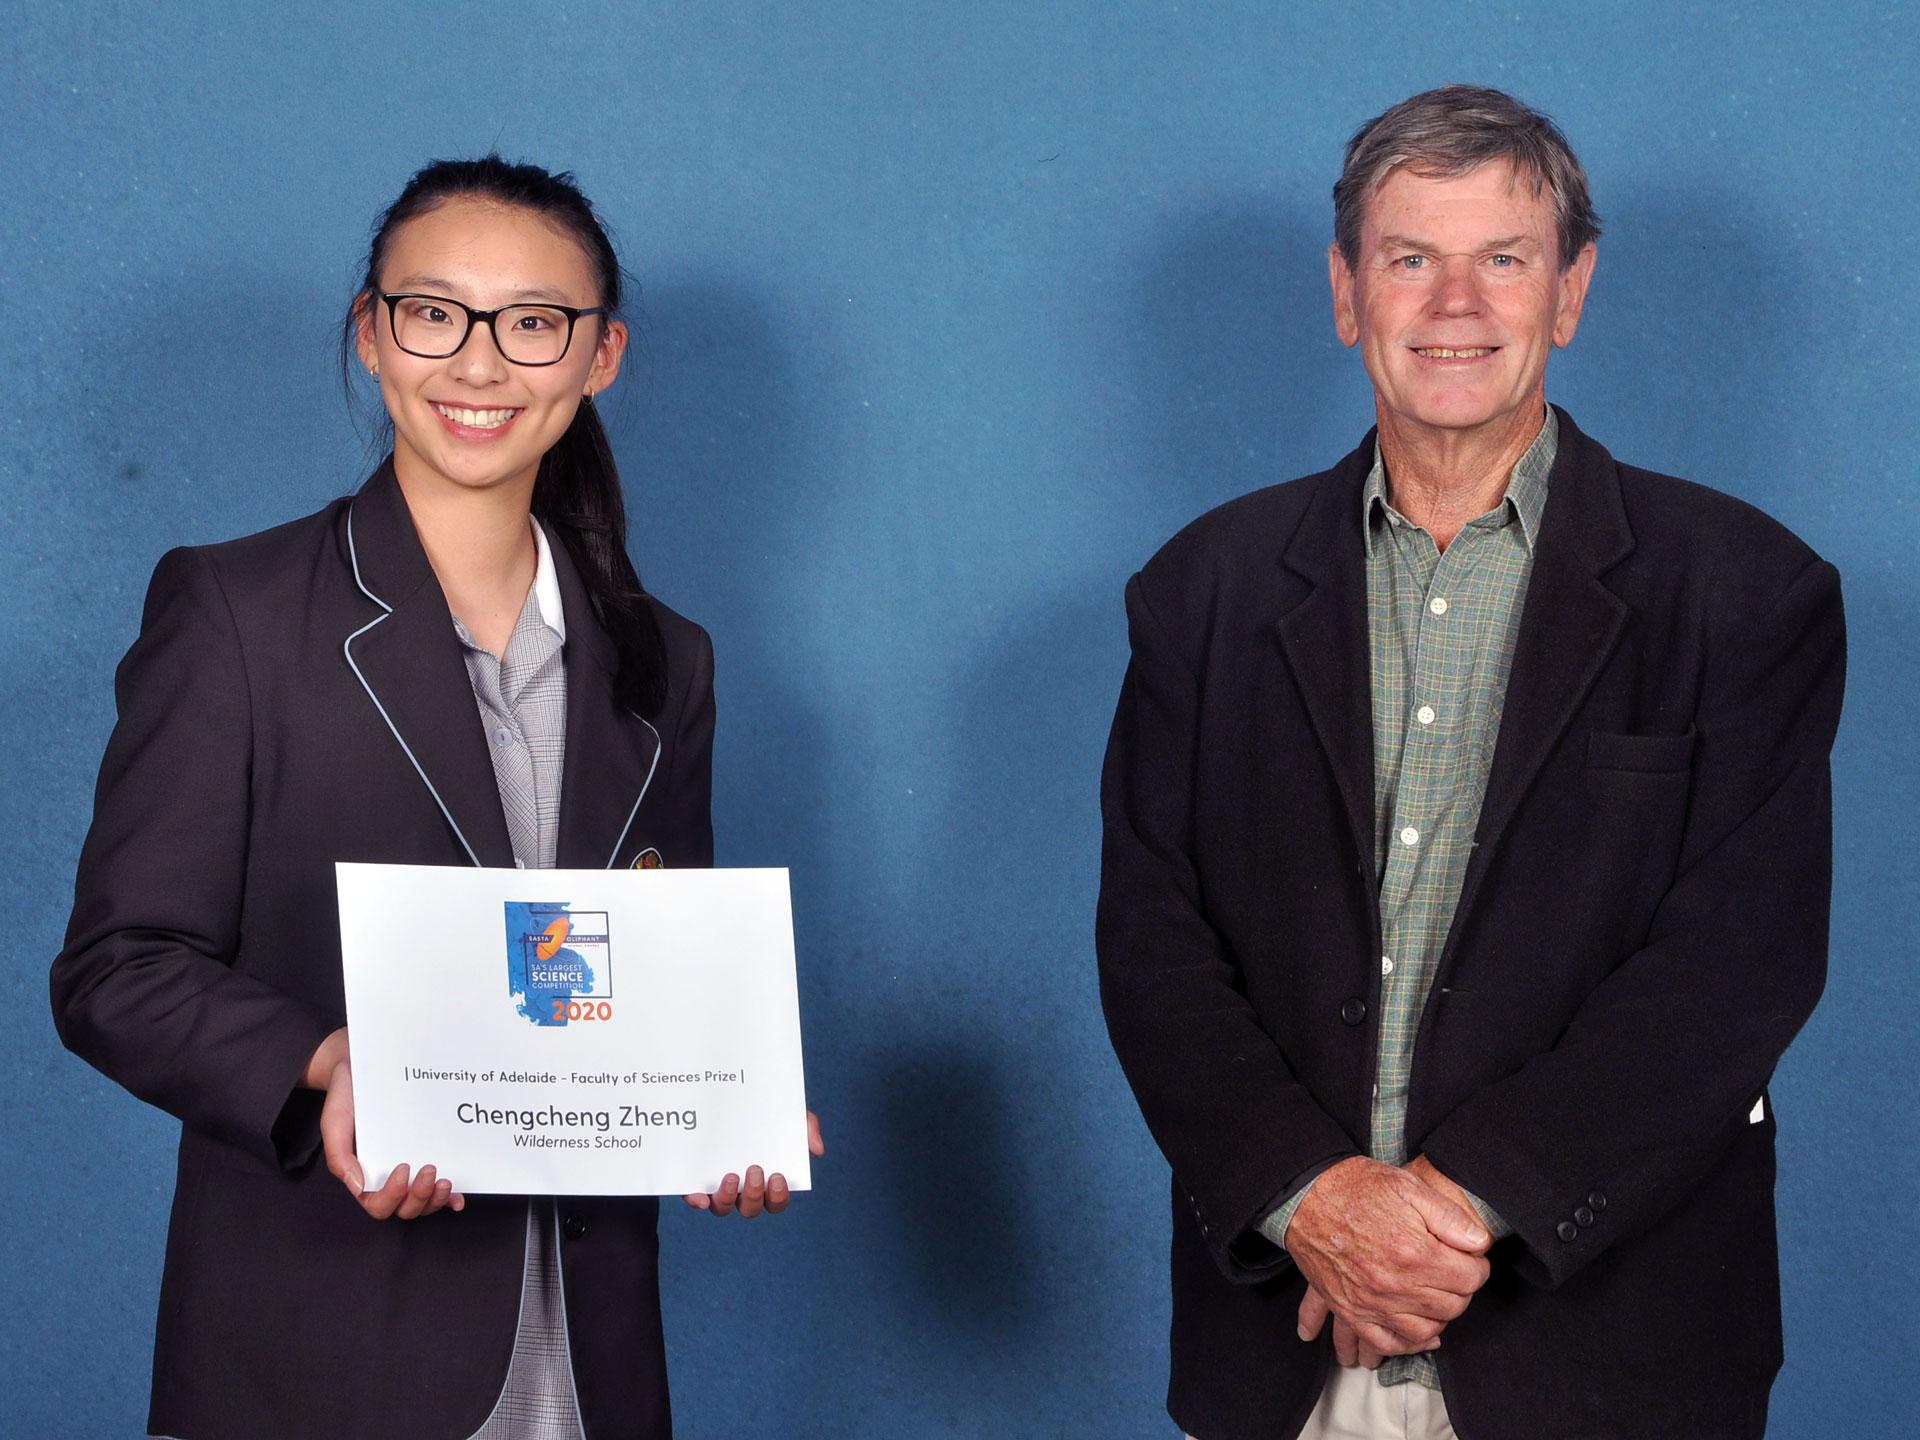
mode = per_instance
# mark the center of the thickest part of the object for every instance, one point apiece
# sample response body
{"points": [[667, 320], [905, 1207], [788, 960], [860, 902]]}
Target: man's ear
{"points": [[1572, 299], [1340, 275]]}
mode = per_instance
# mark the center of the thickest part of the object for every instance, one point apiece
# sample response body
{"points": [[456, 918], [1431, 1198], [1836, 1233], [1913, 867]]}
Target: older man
{"points": [[1466, 868]]}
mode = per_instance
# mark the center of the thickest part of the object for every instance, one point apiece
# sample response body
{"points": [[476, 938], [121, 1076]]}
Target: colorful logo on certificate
{"points": [[558, 963]]}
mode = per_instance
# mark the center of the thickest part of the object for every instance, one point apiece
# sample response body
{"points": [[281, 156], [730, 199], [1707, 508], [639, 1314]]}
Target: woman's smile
{"points": [[475, 424]]}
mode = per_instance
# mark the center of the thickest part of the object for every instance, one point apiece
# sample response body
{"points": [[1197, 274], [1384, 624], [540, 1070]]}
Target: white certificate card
{"points": [[573, 1032]]}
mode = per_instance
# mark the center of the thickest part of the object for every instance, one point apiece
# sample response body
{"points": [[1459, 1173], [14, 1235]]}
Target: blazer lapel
{"points": [[611, 753], [1568, 629], [1324, 636], [408, 660]]}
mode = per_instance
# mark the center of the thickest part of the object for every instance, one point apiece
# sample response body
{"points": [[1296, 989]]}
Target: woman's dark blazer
{"points": [[296, 698]]}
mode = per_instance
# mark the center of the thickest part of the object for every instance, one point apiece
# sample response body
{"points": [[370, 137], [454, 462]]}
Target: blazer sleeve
{"points": [[145, 989], [1235, 1123], [1653, 1079]]}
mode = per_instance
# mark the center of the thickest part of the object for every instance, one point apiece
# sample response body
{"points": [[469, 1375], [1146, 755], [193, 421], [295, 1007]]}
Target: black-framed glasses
{"points": [[434, 327]]}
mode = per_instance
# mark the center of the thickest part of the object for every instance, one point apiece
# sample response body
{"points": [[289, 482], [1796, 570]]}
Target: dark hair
{"points": [[577, 493], [1457, 128]]}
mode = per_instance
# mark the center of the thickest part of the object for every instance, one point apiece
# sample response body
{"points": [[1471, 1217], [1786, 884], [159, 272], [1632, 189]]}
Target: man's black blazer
{"points": [[1642, 930], [259, 740]]}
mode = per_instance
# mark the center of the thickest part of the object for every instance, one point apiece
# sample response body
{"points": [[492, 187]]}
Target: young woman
{"points": [[456, 665]]}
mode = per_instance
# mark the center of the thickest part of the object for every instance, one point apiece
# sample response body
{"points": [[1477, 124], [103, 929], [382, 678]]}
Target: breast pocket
{"points": [[1640, 754], [1637, 789]]}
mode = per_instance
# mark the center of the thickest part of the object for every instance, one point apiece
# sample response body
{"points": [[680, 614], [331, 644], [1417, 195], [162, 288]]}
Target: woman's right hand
{"points": [[331, 1070]]}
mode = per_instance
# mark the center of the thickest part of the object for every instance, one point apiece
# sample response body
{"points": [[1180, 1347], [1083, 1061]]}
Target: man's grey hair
{"points": [[1447, 132]]}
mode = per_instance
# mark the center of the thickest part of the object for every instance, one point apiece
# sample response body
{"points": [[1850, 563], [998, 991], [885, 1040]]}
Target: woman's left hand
{"points": [[761, 1192]]}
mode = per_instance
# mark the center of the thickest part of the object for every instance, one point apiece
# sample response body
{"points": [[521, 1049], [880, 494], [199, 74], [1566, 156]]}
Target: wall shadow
{"points": [[705, 421], [1236, 376], [944, 1116], [1077, 1187], [1703, 351]]}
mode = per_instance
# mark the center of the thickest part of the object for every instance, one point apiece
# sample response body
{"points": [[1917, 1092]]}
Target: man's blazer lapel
{"points": [[612, 754], [1324, 635], [1569, 627], [408, 660]]}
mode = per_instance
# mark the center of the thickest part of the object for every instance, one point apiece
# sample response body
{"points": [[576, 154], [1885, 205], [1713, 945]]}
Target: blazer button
{"points": [[1354, 1011], [1583, 1216], [1567, 1231], [573, 1227], [1598, 1201]]}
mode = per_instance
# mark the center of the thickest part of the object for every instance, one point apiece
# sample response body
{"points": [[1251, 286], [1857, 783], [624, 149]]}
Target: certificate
{"points": [[573, 1032]]}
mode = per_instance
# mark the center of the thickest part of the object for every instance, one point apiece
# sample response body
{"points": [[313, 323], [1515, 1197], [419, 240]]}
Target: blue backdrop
{"points": [[948, 316]]}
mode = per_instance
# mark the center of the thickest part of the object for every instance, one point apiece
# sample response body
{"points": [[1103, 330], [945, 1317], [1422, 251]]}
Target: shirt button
{"points": [[1409, 836], [503, 737], [1424, 714], [1386, 964], [1438, 604]]}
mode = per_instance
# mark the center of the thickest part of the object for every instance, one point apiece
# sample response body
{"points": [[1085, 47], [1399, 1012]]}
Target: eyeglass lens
{"points": [[434, 329]]}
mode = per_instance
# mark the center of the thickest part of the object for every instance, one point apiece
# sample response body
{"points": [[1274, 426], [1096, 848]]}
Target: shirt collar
{"points": [[546, 584], [1526, 496]]}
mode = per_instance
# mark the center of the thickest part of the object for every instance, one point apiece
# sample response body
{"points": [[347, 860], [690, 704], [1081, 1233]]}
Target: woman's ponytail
{"points": [[577, 496]]}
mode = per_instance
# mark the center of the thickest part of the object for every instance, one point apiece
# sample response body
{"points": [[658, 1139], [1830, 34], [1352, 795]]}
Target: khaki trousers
{"points": [[1356, 1406]]}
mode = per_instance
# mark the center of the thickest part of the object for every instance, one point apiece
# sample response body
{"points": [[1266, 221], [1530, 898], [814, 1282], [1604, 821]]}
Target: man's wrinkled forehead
{"points": [[1415, 192]]}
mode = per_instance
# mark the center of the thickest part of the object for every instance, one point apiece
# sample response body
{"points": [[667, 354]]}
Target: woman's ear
{"points": [[364, 342], [607, 356]]}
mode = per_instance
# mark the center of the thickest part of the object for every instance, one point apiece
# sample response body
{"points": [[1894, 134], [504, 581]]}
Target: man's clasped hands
{"points": [[1391, 1253]]}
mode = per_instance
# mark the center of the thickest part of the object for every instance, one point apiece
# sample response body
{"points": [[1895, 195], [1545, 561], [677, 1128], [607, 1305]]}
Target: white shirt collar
{"points": [[546, 584]]}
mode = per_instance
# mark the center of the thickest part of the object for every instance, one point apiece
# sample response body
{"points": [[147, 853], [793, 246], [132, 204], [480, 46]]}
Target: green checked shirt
{"points": [[1440, 631]]}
